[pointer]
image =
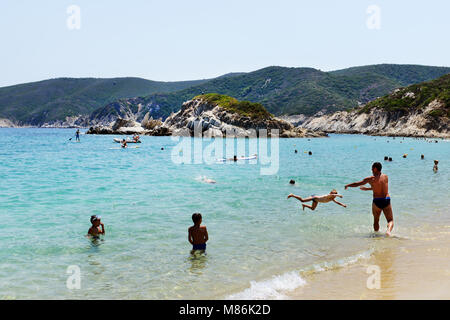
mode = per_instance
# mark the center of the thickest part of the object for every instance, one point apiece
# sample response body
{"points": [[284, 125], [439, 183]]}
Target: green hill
{"points": [[244, 108], [38, 102], [417, 96], [298, 90], [281, 90]]}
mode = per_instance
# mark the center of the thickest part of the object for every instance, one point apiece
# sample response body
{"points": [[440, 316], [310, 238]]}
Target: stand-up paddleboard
{"points": [[239, 159], [127, 141]]}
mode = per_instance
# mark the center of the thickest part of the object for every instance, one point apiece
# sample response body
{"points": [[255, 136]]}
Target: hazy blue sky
{"points": [[194, 39]]}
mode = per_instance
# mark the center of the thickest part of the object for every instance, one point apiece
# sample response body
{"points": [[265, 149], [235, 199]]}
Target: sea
{"points": [[260, 245]]}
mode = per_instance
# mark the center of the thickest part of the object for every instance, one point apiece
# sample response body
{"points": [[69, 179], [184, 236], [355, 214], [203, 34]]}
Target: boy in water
{"points": [[435, 168], [197, 234], [95, 231], [316, 199]]}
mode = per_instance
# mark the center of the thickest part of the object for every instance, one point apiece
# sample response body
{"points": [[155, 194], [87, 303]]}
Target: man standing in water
{"points": [[381, 199], [77, 135]]}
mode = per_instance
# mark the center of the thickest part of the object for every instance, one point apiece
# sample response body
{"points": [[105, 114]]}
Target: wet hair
{"points": [[390, 159], [436, 161], [292, 182], [334, 191], [196, 217], [378, 166], [386, 158], [296, 151], [94, 217], [235, 158], [310, 153]]}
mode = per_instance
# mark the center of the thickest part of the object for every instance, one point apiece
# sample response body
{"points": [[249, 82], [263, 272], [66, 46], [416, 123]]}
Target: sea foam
{"points": [[274, 288]]}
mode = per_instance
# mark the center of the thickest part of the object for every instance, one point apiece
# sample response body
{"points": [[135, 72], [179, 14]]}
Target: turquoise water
{"points": [[49, 188]]}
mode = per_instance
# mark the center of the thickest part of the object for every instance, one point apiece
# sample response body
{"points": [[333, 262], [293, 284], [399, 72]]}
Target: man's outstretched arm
{"points": [[357, 184]]}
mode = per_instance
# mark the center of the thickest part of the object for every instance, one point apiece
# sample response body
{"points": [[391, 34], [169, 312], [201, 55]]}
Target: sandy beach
{"points": [[412, 268]]}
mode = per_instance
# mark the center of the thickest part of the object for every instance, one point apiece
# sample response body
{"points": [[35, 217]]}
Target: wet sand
{"points": [[413, 268]]}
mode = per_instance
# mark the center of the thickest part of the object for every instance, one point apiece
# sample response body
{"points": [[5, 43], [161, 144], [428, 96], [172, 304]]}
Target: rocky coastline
{"points": [[378, 122], [200, 116]]}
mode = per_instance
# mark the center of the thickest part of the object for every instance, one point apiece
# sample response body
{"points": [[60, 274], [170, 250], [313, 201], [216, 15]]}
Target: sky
{"points": [[173, 40]]}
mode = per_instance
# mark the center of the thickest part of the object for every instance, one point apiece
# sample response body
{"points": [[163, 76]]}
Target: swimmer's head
{"points": [[235, 158], [95, 220], [376, 167], [292, 182], [333, 191], [197, 218], [436, 161]]}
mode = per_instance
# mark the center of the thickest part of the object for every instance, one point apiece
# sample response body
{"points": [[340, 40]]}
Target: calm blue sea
{"points": [[260, 242]]}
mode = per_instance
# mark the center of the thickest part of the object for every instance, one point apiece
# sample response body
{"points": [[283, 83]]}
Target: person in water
{"points": [[379, 184], [435, 167], [124, 143], [97, 227], [197, 234], [77, 135], [136, 137], [319, 199]]}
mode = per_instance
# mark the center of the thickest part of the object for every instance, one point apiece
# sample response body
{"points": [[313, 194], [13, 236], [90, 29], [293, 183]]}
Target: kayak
{"points": [[127, 141], [120, 148]]}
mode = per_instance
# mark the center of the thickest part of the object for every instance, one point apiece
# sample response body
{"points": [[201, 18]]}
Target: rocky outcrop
{"points": [[417, 123], [6, 123], [200, 116], [79, 121]]}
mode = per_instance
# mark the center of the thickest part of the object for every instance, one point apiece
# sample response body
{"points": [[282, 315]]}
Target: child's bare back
{"points": [[197, 234]]}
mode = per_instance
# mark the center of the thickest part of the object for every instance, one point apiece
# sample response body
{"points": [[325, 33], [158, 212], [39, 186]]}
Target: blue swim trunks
{"points": [[199, 246]]}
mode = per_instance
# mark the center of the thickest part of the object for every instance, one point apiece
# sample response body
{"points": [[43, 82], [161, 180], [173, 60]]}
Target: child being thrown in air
{"points": [[316, 199]]}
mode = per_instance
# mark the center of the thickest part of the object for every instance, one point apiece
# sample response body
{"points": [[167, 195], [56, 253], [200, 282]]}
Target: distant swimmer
{"points": [[422, 157], [296, 151], [77, 135], [435, 167], [124, 143], [390, 159], [97, 228], [197, 234], [207, 180], [292, 182], [310, 153], [319, 199], [379, 184], [136, 138]]}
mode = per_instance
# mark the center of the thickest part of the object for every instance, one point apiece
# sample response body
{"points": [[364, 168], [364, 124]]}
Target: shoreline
{"points": [[410, 268], [327, 132]]}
